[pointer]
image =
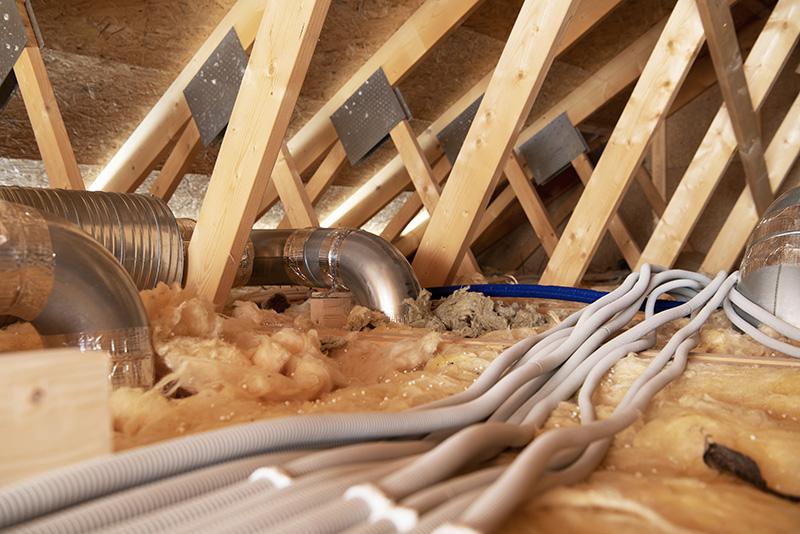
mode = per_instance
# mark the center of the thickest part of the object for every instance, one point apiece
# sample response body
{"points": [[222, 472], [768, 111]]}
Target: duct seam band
{"points": [[129, 352], [294, 256], [26, 261], [329, 257]]}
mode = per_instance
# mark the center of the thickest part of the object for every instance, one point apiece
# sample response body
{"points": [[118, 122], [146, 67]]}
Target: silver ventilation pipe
{"points": [[73, 291], [139, 230], [770, 269], [377, 274]]}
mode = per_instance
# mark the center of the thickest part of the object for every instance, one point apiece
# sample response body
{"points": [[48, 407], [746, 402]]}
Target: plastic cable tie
{"points": [[274, 475], [381, 507]]}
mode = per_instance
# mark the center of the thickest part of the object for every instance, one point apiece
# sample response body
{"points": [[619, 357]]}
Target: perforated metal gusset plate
{"points": [[552, 149], [212, 92], [12, 37], [452, 136], [364, 121]]}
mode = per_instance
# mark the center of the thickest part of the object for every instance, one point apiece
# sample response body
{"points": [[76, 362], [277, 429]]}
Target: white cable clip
{"points": [[274, 475], [381, 507]]}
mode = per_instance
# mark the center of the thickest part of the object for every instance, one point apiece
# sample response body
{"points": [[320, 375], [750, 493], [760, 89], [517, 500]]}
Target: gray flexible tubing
{"points": [[758, 335], [358, 453], [447, 512], [142, 500]]}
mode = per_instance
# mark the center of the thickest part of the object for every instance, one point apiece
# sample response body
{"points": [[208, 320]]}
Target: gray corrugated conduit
{"points": [[435, 468]]}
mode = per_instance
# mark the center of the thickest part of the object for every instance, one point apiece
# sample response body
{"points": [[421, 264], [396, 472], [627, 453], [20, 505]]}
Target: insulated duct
{"points": [[770, 269], [73, 291], [377, 274]]}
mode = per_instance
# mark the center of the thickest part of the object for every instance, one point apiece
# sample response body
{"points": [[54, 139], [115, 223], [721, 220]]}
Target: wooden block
{"points": [[781, 154], [254, 137], [153, 136], [652, 96], [54, 410], [717, 147], [515, 83], [178, 163], [40, 102], [724, 50], [331, 310]]}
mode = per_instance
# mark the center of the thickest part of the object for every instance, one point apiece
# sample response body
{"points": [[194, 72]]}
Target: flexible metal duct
{"points": [[770, 268], [139, 230], [73, 291], [377, 274]]}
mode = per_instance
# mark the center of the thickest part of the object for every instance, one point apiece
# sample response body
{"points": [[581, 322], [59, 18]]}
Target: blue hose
{"points": [[571, 294]]}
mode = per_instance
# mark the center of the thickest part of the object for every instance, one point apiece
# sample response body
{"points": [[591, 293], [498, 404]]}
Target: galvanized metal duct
{"points": [[377, 274], [770, 269], [73, 291], [139, 230]]}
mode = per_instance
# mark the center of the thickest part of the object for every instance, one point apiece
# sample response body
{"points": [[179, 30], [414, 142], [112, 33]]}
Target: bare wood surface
{"points": [[781, 154], [178, 163], [531, 203], [41, 392], [45, 117], [719, 144], [514, 85], [728, 64], [139, 154], [299, 211], [651, 98], [253, 139]]}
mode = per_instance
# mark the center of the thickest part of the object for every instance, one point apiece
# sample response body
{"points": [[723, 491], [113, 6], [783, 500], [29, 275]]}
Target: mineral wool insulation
{"points": [[254, 364]]}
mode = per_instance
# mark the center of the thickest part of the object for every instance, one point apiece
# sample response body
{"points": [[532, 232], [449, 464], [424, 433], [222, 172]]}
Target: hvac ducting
{"points": [[73, 291], [139, 230], [770, 269], [377, 274]]}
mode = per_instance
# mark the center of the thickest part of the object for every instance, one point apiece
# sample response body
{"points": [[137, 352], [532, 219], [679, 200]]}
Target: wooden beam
{"points": [[424, 181], [515, 83], [393, 179], [651, 191], [177, 165], [616, 227], [651, 98], [658, 161], [299, 211], [531, 203], [410, 44], [254, 137], [54, 410], [781, 154], [716, 150], [728, 64], [42, 108], [157, 131]]}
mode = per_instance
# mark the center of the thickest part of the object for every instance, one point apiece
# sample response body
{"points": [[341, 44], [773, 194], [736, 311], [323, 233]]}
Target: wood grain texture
{"points": [[178, 163], [254, 137]]}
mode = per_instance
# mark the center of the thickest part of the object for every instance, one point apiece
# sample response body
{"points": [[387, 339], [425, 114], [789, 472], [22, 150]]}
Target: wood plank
{"points": [[48, 126], [278, 64], [158, 130], [531, 203], [616, 227], [658, 162], [651, 191], [392, 178], [41, 392], [425, 182], [728, 64], [651, 98], [515, 83], [410, 44], [178, 163], [299, 211], [781, 154], [717, 147]]}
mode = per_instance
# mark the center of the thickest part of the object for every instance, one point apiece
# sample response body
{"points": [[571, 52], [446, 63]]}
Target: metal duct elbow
{"points": [[770, 269], [73, 291], [377, 274]]}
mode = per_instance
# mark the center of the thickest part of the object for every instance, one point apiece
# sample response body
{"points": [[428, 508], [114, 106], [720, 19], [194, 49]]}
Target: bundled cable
{"points": [[434, 468]]}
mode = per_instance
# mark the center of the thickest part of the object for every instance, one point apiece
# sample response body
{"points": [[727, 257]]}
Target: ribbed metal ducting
{"points": [[139, 230]]}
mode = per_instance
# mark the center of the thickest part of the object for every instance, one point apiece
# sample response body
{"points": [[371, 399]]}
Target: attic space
{"points": [[378, 266]]}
